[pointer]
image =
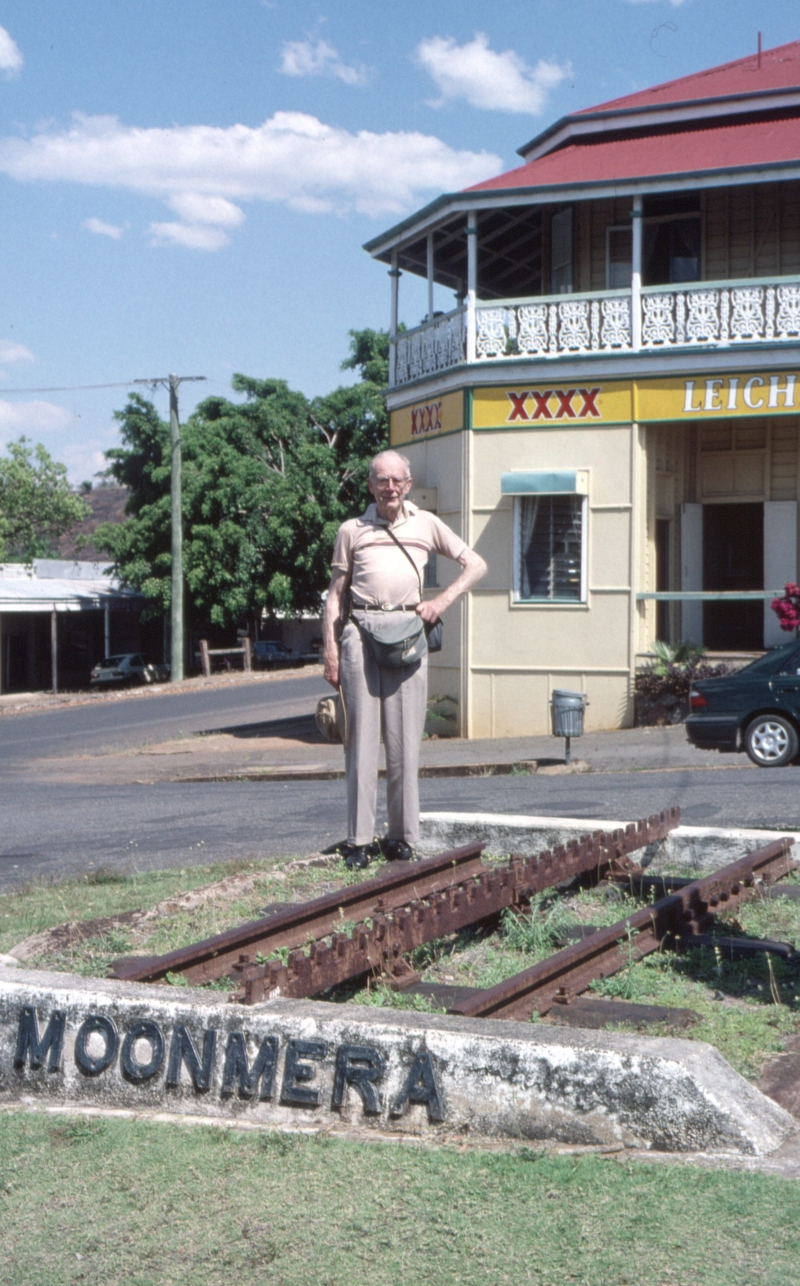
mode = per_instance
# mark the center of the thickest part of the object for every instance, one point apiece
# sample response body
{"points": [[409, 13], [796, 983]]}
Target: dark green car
{"points": [[756, 710]]}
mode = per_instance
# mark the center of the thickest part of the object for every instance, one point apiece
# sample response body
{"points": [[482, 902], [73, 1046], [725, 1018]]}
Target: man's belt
{"points": [[383, 607]]}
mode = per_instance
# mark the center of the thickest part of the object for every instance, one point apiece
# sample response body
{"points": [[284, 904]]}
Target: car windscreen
{"points": [[111, 662]]}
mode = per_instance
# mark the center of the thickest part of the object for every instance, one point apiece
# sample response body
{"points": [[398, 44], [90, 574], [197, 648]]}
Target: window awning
{"points": [[545, 482]]}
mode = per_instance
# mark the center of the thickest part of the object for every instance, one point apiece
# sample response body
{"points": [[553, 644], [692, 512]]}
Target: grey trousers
{"points": [[395, 702]]}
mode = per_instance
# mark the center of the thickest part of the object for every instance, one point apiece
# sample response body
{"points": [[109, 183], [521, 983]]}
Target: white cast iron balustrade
{"points": [[672, 317], [432, 347], [720, 315], [553, 328]]}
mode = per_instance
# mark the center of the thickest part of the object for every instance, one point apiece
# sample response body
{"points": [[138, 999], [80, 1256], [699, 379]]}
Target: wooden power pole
{"points": [[173, 383]]}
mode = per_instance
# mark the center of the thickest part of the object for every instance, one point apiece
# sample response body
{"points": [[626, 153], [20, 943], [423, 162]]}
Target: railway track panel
{"points": [[215, 957], [382, 945], [675, 918]]}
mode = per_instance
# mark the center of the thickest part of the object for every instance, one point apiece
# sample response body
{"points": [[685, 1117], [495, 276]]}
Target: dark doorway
{"points": [[671, 252], [733, 559], [662, 577], [16, 658]]}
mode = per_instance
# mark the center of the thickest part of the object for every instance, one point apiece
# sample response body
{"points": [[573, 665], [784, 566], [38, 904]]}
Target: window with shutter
{"points": [[550, 533]]}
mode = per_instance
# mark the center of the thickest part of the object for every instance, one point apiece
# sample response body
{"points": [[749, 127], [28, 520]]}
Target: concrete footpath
{"points": [[293, 750]]}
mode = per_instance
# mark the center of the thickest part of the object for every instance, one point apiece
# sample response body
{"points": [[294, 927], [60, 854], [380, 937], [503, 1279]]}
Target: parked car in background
{"points": [[269, 654], [131, 668], [756, 710]]}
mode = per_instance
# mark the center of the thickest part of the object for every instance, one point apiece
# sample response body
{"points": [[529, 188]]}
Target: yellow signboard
{"points": [[429, 419], [716, 397], [549, 405]]}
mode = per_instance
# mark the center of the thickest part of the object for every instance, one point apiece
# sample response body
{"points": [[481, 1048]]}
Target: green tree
{"points": [[140, 547], [263, 496], [37, 504], [266, 483]]}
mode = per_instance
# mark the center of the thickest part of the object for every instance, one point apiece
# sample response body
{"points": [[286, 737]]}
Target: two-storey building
{"points": [[610, 411]]}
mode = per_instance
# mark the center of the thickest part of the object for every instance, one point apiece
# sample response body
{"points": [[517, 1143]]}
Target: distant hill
{"points": [[107, 505]]}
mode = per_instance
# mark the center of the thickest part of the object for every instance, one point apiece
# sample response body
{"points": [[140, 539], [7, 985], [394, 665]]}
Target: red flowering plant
{"points": [[787, 609]]}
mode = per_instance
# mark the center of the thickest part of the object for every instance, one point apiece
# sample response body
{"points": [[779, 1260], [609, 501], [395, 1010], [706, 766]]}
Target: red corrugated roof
{"points": [[760, 142], [780, 69]]}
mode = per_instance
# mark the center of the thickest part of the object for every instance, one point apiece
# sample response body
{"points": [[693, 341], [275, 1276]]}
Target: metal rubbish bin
{"points": [[567, 711]]}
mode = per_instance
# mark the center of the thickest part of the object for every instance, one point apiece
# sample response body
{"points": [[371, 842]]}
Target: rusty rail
{"points": [[214, 957], [680, 915], [381, 947]]}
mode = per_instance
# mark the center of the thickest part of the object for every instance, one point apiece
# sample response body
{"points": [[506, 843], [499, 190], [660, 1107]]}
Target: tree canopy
{"points": [[37, 504], [266, 481]]}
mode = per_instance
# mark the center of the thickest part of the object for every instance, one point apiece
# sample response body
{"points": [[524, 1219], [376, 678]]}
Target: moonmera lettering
{"points": [[239, 1065]]}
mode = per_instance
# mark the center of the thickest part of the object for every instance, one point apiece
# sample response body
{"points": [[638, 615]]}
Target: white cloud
{"points": [[102, 229], [32, 418], [293, 159], [194, 236], [318, 58], [196, 208], [11, 59], [499, 82], [10, 352], [83, 460]]}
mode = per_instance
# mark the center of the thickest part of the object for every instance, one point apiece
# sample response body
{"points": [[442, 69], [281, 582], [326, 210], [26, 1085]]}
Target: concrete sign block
{"points": [[81, 1042]]}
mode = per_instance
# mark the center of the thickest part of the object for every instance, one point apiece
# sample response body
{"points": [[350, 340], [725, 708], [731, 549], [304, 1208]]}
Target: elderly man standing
{"points": [[378, 563]]}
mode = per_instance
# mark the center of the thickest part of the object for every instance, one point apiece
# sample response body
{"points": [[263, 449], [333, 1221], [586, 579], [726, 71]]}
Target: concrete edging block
{"points": [[688, 850], [317, 1065]]}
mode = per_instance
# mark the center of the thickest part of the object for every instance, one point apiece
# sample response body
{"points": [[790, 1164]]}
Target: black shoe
{"points": [[356, 856], [340, 847], [397, 850]]}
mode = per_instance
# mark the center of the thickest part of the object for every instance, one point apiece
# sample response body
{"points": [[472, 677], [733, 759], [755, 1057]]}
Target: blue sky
{"points": [[186, 184]]}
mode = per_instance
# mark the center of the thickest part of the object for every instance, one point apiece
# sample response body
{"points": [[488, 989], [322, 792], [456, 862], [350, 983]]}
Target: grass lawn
{"points": [[126, 1203]]}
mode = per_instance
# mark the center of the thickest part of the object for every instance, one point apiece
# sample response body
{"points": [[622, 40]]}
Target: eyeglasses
{"points": [[382, 482]]}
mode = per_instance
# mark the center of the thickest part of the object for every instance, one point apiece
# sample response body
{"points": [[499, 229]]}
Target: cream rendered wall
{"points": [[438, 463], [520, 652]]}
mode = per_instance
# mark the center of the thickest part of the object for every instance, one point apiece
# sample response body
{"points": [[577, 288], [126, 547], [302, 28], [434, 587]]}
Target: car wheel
{"points": [[771, 741]]}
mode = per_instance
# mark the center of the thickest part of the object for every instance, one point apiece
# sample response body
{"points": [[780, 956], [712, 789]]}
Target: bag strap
{"points": [[400, 545]]}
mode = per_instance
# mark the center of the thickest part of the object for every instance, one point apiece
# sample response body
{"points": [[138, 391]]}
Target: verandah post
{"points": [[472, 282]]}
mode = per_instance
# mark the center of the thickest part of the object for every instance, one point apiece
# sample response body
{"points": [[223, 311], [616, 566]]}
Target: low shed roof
{"points": [[61, 585]]}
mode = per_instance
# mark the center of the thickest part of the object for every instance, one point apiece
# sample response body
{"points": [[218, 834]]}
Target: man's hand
{"points": [[332, 668], [431, 610], [474, 568]]}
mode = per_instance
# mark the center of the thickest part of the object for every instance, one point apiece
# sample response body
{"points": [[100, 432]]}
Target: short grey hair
{"points": [[382, 455]]}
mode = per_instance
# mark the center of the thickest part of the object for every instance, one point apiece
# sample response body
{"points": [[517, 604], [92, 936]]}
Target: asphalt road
{"points": [[50, 832], [154, 716]]}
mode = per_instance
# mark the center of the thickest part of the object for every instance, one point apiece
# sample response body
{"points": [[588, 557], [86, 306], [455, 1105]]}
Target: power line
{"points": [[71, 388]]}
